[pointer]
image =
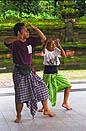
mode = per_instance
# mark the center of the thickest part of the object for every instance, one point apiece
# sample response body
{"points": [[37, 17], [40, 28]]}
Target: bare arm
{"points": [[9, 39], [40, 33], [60, 47], [44, 46]]}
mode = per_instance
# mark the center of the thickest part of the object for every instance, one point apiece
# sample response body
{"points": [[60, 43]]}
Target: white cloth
{"points": [[29, 49], [52, 57]]}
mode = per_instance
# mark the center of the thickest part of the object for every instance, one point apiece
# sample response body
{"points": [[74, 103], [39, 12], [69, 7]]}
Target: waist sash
{"points": [[23, 69], [50, 69]]}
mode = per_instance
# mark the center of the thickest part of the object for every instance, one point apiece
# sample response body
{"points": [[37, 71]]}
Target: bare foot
{"points": [[41, 110], [66, 106], [18, 120], [49, 113]]}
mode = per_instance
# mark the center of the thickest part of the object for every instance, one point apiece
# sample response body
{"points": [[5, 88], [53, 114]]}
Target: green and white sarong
{"points": [[55, 83]]}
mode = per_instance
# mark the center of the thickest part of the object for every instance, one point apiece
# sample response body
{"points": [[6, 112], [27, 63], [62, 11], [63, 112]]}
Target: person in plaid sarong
{"points": [[29, 87]]}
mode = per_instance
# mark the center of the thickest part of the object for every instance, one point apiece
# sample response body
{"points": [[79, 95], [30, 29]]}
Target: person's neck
{"points": [[22, 40], [51, 50]]}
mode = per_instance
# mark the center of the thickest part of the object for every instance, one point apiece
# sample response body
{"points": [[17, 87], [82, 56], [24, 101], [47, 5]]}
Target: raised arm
{"points": [[44, 46], [40, 33], [60, 47], [9, 40]]}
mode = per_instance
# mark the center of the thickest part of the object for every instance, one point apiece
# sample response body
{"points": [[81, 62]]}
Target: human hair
{"points": [[49, 41], [17, 28]]}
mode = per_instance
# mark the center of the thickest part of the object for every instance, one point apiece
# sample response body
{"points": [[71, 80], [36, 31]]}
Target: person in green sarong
{"points": [[54, 81]]}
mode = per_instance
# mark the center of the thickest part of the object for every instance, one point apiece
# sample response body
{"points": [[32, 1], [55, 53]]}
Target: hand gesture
{"points": [[58, 42], [29, 25]]}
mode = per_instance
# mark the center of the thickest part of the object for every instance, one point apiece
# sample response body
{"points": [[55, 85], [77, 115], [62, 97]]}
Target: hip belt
{"points": [[23, 69]]}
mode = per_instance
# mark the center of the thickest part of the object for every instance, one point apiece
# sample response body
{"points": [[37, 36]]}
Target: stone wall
{"points": [[76, 35], [76, 61]]}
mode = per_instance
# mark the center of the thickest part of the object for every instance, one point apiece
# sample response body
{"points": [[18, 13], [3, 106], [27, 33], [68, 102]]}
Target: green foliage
{"points": [[38, 9], [81, 7], [67, 3], [68, 11], [11, 14]]}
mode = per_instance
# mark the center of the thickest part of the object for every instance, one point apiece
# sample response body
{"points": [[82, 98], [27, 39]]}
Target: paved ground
{"points": [[72, 75], [74, 120]]}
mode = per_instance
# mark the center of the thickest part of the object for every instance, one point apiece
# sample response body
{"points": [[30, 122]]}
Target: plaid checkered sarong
{"points": [[29, 89]]}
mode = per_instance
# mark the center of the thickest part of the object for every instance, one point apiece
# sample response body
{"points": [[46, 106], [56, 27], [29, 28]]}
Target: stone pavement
{"points": [[74, 120], [6, 79]]}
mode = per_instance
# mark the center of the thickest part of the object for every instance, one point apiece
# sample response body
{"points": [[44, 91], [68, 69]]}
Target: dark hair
{"points": [[17, 28]]}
